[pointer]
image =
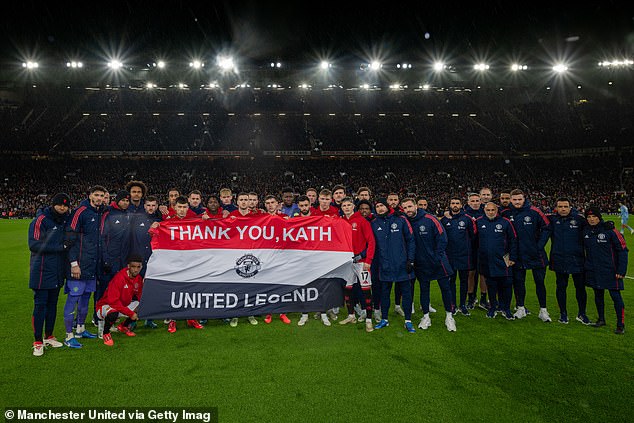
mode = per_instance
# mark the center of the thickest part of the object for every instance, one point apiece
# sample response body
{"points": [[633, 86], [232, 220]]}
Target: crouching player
{"points": [[121, 297]]}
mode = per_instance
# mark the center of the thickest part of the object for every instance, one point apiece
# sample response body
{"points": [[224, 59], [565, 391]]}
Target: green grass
{"points": [[521, 371]]}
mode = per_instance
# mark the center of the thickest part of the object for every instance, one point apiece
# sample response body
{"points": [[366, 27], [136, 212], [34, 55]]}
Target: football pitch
{"points": [[489, 370]]}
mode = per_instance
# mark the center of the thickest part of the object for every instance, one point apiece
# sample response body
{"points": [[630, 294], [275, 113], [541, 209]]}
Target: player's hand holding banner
{"points": [[246, 266]]}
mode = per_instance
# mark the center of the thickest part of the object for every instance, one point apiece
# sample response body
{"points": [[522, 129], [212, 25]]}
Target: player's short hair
{"points": [[455, 197], [338, 187], [303, 198], [225, 191], [134, 258], [181, 200], [407, 199], [312, 189], [195, 192], [139, 184], [242, 193], [347, 200], [562, 199], [287, 189], [362, 189], [270, 196], [366, 202], [173, 189], [325, 192], [97, 188], [517, 191], [473, 194], [151, 198]]}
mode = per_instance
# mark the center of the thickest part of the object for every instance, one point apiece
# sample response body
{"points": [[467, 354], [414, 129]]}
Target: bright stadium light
{"points": [[560, 68], [30, 65], [375, 65], [160, 64], [74, 65], [115, 64], [616, 63], [517, 67], [325, 65], [481, 66], [196, 64], [439, 66], [225, 63]]}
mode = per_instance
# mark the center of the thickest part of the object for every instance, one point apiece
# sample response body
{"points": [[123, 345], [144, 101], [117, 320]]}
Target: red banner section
{"points": [[319, 233]]}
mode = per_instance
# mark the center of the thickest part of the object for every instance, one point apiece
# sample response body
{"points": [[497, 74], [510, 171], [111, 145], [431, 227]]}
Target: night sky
{"points": [[263, 30]]}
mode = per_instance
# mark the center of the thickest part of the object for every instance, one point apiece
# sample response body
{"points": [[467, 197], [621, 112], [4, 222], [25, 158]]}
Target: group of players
{"points": [[103, 247]]}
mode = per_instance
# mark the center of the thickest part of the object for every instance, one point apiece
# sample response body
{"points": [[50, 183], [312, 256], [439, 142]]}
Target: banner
{"points": [[246, 266]]}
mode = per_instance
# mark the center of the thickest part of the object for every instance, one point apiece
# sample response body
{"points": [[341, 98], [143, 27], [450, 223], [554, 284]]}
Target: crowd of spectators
{"points": [[27, 184]]}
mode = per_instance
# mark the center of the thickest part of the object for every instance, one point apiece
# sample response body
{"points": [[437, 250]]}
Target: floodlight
{"points": [[115, 64], [438, 66], [225, 63], [560, 68]]}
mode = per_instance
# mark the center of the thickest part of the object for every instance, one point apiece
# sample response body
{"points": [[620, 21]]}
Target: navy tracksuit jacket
{"points": [[116, 241], [606, 256], [461, 232], [496, 237], [48, 254], [83, 230], [431, 244], [395, 246], [566, 243], [533, 230], [140, 237]]}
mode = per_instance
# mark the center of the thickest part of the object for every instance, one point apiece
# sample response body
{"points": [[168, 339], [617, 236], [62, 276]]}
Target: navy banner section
{"points": [[196, 300]]}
